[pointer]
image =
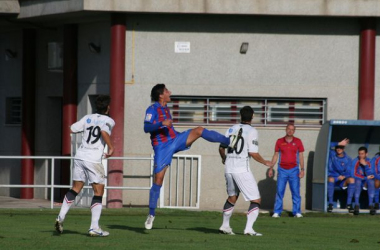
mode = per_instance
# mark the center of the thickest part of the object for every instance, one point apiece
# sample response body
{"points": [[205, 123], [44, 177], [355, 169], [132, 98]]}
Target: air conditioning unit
{"points": [[55, 56]]}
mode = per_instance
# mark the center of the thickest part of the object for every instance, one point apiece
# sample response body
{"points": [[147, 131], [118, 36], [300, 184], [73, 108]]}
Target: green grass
{"points": [[175, 229]]}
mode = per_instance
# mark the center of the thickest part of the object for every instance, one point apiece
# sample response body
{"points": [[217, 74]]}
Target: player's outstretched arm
{"points": [[222, 153], [260, 159], [107, 140]]}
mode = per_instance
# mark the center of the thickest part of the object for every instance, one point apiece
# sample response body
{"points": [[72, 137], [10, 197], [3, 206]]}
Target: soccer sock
{"points": [[96, 211], [67, 202], [213, 136], [227, 213], [350, 193], [358, 190], [371, 191], [330, 191], [154, 194], [253, 212], [377, 191]]}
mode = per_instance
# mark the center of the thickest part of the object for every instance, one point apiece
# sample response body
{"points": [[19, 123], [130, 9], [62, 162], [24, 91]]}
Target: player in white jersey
{"points": [[239, 177], [96, 129]]}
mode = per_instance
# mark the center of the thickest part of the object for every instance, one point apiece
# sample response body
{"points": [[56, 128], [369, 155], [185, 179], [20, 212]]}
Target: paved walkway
{"points": [[10, 202]]}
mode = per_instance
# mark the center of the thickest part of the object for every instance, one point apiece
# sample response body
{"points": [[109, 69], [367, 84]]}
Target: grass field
{"points": [[174, 229]]}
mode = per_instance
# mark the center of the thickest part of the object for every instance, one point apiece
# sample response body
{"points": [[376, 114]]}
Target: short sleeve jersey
{"points": [[92, 146], [288, 152], [156, 113], [237, 161]]}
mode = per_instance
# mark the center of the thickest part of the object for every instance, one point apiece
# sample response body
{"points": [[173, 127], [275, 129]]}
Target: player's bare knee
{"points": [[232, 199], [199, 131]]}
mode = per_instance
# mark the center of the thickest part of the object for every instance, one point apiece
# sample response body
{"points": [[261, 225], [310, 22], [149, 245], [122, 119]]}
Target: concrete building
{"points": [[292, 60]]}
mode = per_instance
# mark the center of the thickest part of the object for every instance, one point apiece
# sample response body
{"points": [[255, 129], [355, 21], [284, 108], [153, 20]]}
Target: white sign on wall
{"points": [[182, 47]]}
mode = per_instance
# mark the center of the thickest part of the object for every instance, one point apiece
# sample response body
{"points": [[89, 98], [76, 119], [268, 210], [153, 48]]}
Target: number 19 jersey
{"points": [[92, 146], [237, 160]]}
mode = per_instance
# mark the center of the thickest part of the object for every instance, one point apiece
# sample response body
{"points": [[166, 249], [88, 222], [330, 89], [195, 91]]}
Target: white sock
{"points": [[251, 217], [96, 211], [66, 204], [227, 213]]}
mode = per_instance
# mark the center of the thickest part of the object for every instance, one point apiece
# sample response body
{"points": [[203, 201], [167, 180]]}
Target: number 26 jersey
{"points": [[237, 160], [92, 146]]}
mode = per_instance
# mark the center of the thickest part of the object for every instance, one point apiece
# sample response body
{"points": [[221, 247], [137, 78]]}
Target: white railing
{"points": [[187, 180], [182, 185]]}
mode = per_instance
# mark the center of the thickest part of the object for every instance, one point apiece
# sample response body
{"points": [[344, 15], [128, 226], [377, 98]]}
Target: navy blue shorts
{"points": [[163, 153], [339, 183]]}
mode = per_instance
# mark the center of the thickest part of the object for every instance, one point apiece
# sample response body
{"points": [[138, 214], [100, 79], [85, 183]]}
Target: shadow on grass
{"points": [[204, 230], [55, 233], [140, 230]]}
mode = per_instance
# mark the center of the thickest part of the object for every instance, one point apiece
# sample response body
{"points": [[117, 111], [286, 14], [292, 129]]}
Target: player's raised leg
{"points": [[68, 200], [211, 136]]}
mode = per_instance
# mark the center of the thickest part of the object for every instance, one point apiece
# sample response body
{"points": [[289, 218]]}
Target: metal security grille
{"points": [[13, 110], [216, 111]]}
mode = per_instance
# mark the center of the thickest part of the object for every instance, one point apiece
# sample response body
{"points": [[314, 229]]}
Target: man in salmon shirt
{"points": [[289, 153]]}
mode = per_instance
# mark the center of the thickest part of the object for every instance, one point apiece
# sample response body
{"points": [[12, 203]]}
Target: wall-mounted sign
{"points": [[182, 47]]}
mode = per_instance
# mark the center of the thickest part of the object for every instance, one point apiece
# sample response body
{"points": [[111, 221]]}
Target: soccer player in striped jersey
{"points": [[96, 130], [239, 177], [166, 141]]}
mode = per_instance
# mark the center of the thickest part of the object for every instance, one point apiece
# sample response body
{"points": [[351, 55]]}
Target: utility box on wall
{"points": [[359, 132]]}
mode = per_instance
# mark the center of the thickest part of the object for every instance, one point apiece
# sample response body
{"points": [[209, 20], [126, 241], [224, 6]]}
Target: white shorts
{"points": [[242, 182], [84, 170]]}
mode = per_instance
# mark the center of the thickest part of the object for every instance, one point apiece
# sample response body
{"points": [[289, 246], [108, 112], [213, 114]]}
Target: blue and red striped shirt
{"points": [[361, 171], [155, 115]]}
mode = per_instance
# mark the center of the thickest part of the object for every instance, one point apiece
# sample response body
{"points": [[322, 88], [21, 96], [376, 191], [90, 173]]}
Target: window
{"points": [[215, 111], [13, 110]]}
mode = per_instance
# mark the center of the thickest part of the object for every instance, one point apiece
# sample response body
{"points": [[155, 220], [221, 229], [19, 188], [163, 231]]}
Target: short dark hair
{"points": [[290, 124], [157, 91], [102, 102], [246, 114], [363, 149]]}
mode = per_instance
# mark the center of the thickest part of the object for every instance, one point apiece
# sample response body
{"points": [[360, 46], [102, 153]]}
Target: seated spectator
{"points": [[339, 174], [362, 172], [375, 164]]}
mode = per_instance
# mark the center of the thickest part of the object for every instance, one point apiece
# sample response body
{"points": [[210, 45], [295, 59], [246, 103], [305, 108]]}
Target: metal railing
{"points": [[176, 158]]}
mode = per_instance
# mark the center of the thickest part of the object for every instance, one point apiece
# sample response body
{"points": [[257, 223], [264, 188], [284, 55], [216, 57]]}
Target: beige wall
{"points": [[287, 57], [251, 7]]}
